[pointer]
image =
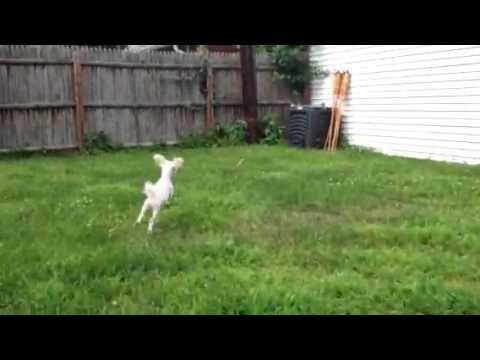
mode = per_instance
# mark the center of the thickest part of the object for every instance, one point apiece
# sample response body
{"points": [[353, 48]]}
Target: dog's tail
{"points": [[149, 190]]}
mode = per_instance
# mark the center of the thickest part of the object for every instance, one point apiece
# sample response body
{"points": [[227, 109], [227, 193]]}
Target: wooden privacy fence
{"points": [[50, 96]]}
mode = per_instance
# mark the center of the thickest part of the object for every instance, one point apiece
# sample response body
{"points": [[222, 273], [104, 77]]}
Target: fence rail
{"points": [[50, 96], [122, 64]]}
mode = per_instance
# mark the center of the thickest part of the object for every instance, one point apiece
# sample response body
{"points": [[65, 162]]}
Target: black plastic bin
{"points": [[307, 126]]}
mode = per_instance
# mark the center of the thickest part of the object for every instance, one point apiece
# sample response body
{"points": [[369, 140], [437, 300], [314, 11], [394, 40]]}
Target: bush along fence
{"points": [[51, 97]]}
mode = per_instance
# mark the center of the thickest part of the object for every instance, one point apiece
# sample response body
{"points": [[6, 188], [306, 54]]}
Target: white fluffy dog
{"points": [[158, 194]]}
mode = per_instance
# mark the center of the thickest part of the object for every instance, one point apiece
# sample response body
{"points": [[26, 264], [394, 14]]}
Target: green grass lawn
{"points": [[283, 232]]}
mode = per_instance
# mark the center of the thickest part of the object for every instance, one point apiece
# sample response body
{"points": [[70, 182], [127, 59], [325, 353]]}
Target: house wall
{"points": [[420, 101]]}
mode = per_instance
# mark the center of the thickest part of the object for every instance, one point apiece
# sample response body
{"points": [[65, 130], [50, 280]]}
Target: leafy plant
{"points": [[93, 142], [219, 135], [270, 131], [292, 65], [236, 133]]}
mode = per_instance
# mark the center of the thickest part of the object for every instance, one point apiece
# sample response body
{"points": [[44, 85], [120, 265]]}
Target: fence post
{"points": [[209, 101], [249, 86], [77, 93]]}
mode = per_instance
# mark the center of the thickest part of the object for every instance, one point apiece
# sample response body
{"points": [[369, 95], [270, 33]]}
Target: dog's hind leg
{"points": [[142, 212], [152, 220]]}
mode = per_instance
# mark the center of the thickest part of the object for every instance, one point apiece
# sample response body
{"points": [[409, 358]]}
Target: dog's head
{"points": [[168, 165]]}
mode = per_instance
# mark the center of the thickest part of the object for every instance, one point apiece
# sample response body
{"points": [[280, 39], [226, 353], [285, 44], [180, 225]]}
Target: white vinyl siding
{"points": [[420, 101]]}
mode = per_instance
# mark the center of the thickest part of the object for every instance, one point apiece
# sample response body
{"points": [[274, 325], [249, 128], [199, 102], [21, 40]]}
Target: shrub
{"points": [[269, 130], [269, 133], [94, 142], [218, 135], [237, 132]]}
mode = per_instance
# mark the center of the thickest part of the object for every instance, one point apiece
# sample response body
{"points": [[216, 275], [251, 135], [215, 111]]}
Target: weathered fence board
{"points": [[136, 99]]}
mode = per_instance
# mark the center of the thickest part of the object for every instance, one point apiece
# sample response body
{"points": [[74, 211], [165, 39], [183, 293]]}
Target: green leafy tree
{"points": [[292, 64]]}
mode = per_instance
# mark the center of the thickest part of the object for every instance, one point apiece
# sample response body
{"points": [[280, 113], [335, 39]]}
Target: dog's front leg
{"points": [[142, 212]]}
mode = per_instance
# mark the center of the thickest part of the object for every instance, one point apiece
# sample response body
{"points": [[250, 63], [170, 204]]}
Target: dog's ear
{"points": [[178, 162], [159, 159]]}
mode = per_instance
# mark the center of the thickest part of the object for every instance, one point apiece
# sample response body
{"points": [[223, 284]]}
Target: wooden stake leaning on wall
{"points": [[337, 78], [336, 81], [77, 94], [338, 114]]}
